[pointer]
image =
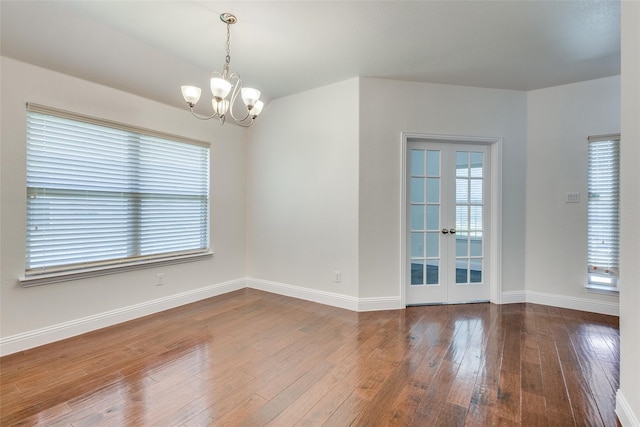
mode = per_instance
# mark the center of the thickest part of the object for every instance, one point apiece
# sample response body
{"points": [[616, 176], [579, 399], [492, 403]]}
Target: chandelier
{"points": [[225, 84]]}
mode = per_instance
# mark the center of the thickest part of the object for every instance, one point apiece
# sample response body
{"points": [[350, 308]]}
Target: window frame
{"points": [[611, 272], [59, 273]]}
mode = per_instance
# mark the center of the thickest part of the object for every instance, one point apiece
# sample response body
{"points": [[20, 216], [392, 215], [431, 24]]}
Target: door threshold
{"points": [[448, 303]]}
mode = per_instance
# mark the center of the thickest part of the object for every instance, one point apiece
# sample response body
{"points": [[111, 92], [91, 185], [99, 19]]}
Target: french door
{"points": [[447, 222]]}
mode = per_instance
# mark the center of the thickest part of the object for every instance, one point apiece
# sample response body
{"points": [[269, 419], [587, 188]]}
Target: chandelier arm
{"points": [[201, 117], [237, 87]]}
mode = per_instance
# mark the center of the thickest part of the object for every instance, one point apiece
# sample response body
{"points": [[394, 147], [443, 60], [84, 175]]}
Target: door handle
{"points": [[445, 231], [452, 231]]}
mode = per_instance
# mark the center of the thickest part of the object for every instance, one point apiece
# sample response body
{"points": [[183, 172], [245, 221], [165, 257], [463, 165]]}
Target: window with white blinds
{"points": [[102, 194], [603, 216]]}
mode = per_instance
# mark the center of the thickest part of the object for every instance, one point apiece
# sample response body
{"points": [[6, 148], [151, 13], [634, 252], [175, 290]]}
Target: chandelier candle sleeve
{"points": [[225, 88], [220, 107]]}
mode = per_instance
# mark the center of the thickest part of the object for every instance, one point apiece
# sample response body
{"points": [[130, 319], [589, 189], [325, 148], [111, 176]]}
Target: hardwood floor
{"points": [[251, 358]]}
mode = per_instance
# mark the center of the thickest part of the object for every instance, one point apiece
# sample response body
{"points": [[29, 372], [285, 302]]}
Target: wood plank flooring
{"points": [[250, 358]]}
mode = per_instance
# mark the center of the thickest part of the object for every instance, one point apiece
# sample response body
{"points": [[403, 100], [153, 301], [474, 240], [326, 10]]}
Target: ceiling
{"points": [[150, 48]]}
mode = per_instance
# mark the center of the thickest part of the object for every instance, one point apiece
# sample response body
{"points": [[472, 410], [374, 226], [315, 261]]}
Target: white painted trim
{"points": [[561, 301], [625, 413], [574, 303], [404, 244], [495, 240], [38, 337], [513, 297], [49, 334], [380, 303], [313, 295]]}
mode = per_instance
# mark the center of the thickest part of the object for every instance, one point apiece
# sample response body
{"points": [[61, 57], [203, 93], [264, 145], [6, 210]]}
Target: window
{"points": [[604, 212], [102, 194]]}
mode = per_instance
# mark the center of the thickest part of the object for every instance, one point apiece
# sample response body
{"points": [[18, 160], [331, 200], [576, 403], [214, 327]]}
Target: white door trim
{"points": [[495, 240]]}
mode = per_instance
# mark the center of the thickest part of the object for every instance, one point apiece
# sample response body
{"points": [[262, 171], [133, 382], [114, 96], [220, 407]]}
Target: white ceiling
{"points": [[150, 48]]}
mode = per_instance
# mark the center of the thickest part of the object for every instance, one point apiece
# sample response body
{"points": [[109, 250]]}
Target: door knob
{"points": [[452, 231], [445, 231]]}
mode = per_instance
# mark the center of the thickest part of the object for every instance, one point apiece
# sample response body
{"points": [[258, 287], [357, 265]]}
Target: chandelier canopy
{"points": [[225, 88]]}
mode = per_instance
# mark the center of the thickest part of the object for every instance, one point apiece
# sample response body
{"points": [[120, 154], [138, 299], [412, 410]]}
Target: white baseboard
{"points": [[307, 294], [561, 301], [512, 297], [38, 337], [380, 303], [625, 413], [327, 298], [34, 338]]}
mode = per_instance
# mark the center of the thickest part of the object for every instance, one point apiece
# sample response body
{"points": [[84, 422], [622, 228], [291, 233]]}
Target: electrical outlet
{"points": [[337, 276], [572, 197], [160, 279]]}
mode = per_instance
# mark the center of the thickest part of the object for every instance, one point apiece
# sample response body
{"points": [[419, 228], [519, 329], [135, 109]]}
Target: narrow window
{"points": [[603, 216], [102, 194]]}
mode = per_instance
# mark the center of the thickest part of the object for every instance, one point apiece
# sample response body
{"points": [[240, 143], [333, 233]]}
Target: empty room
{"points": [[308, 213]]}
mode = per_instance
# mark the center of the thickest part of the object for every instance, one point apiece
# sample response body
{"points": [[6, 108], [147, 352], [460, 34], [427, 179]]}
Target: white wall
{"points": [[559, 121], [388, 108], [628, 402], [30, 309], [303, 193]]}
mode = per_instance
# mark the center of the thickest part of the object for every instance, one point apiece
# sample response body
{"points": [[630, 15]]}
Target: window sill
{"points": [[604, 290], [65, 276]]}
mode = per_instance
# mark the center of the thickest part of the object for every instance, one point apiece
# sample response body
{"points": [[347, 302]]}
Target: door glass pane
{"points": [[433, 163], [462, 191], [462, 266], [433, 217], [476, 165], [433, 240], [475, 246], [433, 272], [417, 245], [476, 218], [417, 162], [476, 191], [417, 272], [417, 190], [462, 218], [433, 190], [475, 270], [417, 217], [462, 163], [462, 245]]}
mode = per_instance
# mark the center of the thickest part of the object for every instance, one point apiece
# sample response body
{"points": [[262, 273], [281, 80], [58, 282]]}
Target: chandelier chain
{"points": [[228, 57]]}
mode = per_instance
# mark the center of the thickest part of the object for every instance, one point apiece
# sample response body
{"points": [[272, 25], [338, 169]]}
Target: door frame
{"points": [[495, 238]]}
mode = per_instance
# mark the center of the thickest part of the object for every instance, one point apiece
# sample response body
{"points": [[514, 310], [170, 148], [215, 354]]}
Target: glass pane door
{"points": [[447, 213]]}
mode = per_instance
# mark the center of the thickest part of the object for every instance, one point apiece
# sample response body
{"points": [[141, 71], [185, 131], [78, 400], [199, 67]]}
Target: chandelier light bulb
{"points": [[257, 109], [191, 94], [220, 88], [250, 96]]}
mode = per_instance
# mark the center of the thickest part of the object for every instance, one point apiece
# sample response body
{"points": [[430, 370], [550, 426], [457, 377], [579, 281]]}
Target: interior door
{"points": [[447, 222]]}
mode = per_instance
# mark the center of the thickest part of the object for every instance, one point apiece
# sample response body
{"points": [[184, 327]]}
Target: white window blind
{"points": [[101, 193], [604, 212]]}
